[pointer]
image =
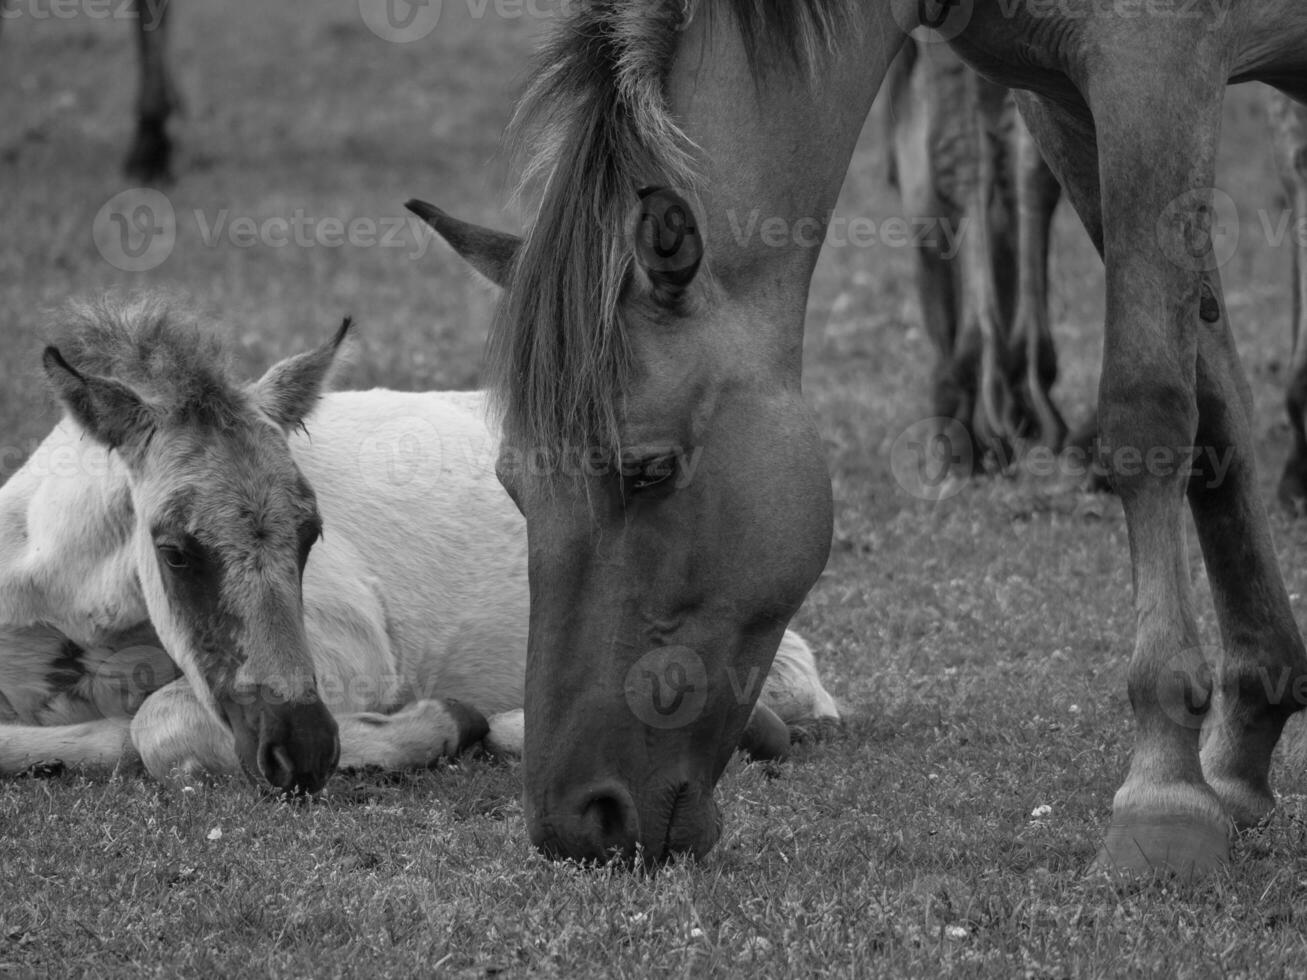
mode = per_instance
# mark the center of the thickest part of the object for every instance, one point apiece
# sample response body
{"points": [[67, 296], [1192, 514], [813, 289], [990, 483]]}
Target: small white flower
{"points": [[956, 932], [1041, 811], [215, 834], [1074, 709], [696, 933]]}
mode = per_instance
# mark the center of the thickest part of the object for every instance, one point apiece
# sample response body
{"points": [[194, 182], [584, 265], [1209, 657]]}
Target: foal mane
{"points": [[158, 348], [594, 128]]}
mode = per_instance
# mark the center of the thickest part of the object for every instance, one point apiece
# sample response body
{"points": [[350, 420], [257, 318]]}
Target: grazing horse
{"points": [[357, 568], [1288, 124], [642, 334], [959, 154]]}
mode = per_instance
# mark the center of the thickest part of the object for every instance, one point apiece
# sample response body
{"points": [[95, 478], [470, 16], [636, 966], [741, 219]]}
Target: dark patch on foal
{"points": [[67, 668]]}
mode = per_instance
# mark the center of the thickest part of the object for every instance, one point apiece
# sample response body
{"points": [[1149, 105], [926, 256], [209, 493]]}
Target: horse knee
{"points": [[1146, 431]]}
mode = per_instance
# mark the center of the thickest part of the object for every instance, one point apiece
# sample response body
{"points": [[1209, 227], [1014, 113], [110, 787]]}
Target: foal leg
{"points": [[1260, 677], [101, 744], [150, 159], [1154, 138], [415, 737]]}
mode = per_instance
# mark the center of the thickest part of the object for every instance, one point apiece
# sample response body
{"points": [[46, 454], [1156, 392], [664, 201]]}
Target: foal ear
{"points": [[491, 253], [289, 391], [668, 243], [109, 411]]}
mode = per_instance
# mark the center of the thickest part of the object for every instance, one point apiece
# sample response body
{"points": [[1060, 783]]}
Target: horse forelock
{"points": [[161, 350], [594, 127]]}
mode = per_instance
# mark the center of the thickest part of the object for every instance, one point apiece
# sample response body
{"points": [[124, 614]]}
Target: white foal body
{"points": [[416, 595]]}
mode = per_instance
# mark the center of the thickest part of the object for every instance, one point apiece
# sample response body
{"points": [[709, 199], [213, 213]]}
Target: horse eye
{"points": [[649, 473]]}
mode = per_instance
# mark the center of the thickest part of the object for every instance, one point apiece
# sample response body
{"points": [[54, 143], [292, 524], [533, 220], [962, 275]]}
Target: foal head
{"points": [[223, 519]]}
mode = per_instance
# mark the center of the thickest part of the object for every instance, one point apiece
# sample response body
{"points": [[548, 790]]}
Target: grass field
{"points": [[978, 644]]}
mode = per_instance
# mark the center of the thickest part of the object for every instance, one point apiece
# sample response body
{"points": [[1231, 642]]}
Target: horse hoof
{"points": [[1190, 847], [1249, 806]]}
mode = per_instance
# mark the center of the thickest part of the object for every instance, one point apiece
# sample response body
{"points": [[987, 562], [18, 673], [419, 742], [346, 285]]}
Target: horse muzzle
{"points": [[604, 821], [293, 745]]}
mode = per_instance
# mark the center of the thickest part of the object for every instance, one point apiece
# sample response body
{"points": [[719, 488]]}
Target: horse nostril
{"points": [[277, 766], [608, 825]]}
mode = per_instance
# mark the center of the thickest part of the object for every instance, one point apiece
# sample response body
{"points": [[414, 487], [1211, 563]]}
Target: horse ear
{"points": [[290, 390], [668, 243], [491, 253], [109, 411]]}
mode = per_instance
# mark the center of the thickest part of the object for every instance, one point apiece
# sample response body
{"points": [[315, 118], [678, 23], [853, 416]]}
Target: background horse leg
{"points": [[1288, 123], [1154, 136], [986, 267], [937, 149], [150, 159], [1033, 356], [1259, 677]]}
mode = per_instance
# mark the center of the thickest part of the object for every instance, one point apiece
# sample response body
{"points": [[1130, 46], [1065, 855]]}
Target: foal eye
{"points": [[646, 474], [173, 556]]}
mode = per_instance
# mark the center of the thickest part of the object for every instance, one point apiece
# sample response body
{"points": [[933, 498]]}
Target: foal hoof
{"points": [[765, 736], [472, 724], [1187, 846]]}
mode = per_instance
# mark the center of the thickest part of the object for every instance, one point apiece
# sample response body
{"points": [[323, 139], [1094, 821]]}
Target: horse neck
{"points": [[776, 148], [65, 540]]}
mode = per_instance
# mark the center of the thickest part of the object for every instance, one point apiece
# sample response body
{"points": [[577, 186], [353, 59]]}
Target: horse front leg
{"points": [[150, 159], [1288, 123], [1139, 173], [1261, 677]]}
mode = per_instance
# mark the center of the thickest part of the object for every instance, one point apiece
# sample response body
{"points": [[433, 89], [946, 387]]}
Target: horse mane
{"points": [[594, 127], [159, 348]]}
